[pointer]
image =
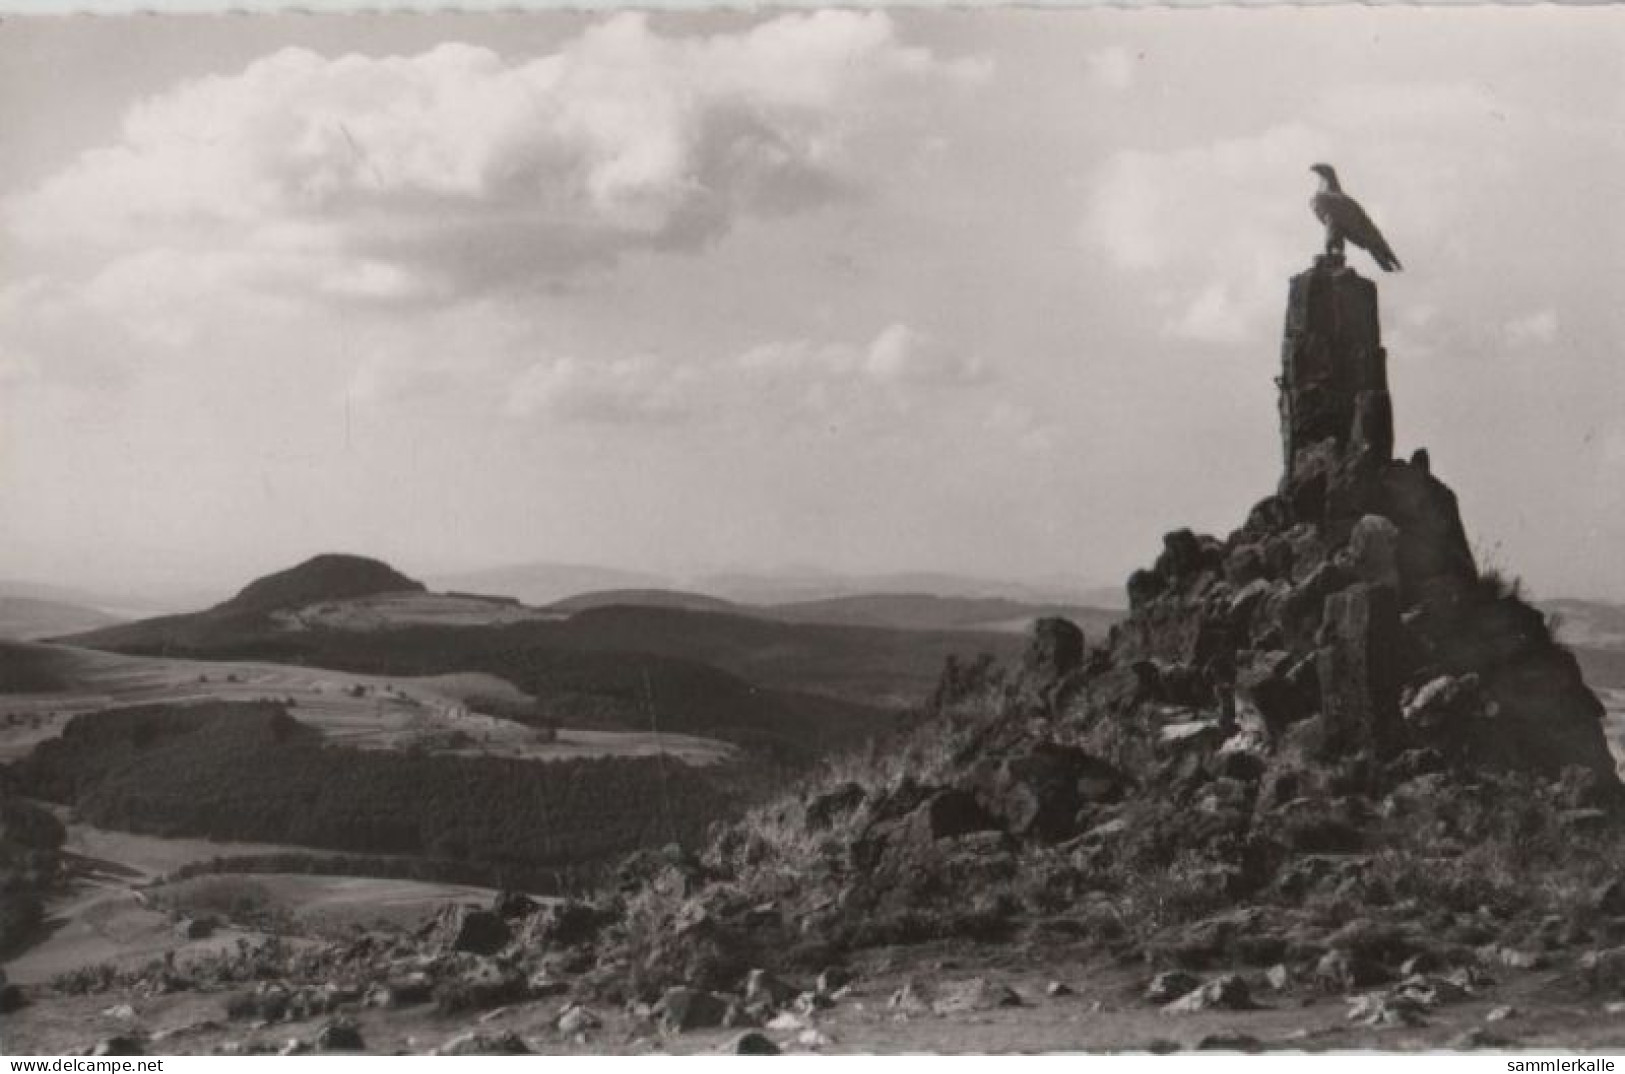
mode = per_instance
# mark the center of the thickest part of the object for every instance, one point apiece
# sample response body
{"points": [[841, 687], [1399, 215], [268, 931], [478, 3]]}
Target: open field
{"points": [[386, 611], [441, 712], [118, 909]]}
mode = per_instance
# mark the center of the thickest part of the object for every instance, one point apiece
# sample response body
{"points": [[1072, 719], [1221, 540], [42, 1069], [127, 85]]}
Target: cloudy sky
{"points": [[997, 293]]}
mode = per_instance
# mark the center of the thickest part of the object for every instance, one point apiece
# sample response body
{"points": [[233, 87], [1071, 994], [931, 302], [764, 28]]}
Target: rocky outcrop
{"points": [[1355, 586]]}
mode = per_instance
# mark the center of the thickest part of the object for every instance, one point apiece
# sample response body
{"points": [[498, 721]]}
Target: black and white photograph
{"points": [[827, 531]]}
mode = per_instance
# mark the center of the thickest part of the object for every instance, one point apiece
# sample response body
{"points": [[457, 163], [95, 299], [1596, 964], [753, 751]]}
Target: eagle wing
{"points": [[1343, 213]]}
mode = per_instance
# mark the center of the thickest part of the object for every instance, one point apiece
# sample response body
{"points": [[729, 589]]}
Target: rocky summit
{"points": [[1324, 755]]}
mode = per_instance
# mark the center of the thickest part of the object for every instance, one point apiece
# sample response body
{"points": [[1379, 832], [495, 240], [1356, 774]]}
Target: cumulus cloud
{"points": [[636, 390], [409, 178], [1533, 329], [898, 356]]}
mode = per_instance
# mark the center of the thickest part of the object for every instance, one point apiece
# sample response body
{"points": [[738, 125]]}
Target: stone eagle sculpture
{"points": [[1344, 219]]}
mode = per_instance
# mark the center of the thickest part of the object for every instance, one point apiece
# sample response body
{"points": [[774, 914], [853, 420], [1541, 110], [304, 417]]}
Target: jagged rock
{"points": [[824, 809], [1273, 685], [566, 923], [468, 928], [1040, 792], [1359, 667], [976, 994], [475, 1043], [682, 1009], [1226, 993], [1169, 985], [764, 990], [1372, 554], [1055, 651], [751, 1043]]}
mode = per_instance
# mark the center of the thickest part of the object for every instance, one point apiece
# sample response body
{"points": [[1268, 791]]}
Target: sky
{"points": [[997, 293]]}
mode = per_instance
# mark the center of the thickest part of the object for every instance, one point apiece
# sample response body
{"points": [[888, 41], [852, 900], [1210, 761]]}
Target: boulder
{"points": [[751, 1043], [683, 1009], [1170, 985]]}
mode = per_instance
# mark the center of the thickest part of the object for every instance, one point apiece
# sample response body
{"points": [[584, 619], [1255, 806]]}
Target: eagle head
{"points": [[1327, 173]]}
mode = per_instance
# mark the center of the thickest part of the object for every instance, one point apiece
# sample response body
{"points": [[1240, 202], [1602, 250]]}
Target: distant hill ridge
{"points": [[330, 576]]}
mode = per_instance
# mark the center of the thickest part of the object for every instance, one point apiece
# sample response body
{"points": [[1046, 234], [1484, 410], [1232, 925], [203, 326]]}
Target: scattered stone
{"points": [[767, 992], [1058, 989], [751, 1043], [1226, 993], [1230, 1041], [340, 1035], [1477, 1038], [475, 1043], [194, 928], [786, 1022], [577, 1019], [121, 1045], [1163, 1046], [1170, 985], [1278, 977], [121, 1011], [813, 1040], [913, 998], [1343, 971], [976, 994], [1385, 1010], [1510, 957], [403, 991], [832, 980], [1501, 1014], [809, 1002]]}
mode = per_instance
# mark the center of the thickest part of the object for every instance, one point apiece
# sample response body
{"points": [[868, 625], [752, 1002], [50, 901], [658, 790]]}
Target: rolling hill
{"points": [[33, 617]]}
